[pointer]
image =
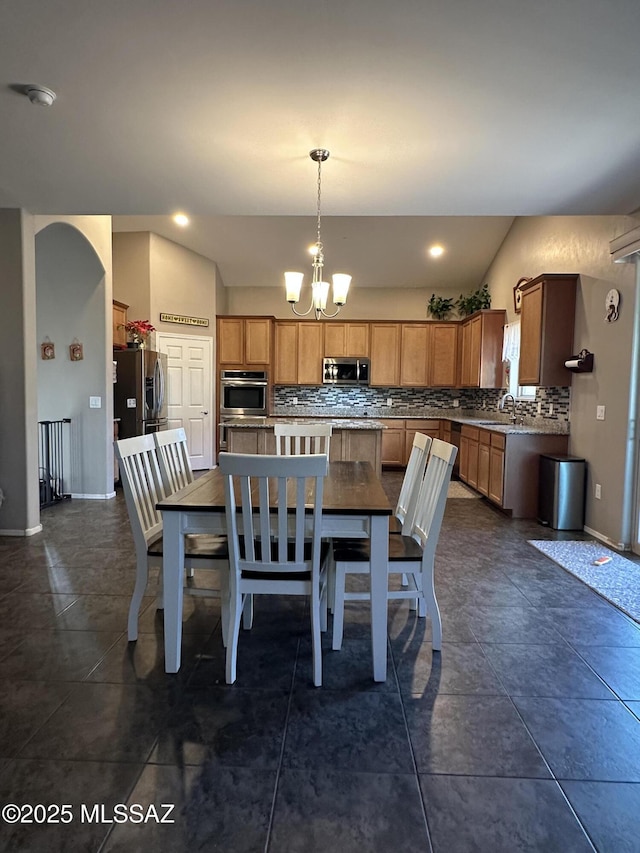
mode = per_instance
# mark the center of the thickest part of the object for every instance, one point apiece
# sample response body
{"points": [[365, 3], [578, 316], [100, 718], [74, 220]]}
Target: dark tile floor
{"points": [[523, 734]]}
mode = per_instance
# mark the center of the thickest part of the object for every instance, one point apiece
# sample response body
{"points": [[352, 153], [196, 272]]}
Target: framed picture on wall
{"points": [[517, 294]]}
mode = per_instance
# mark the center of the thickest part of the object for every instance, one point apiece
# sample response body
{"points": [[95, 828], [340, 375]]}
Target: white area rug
{"points": [[459, 490], [618, 580]]}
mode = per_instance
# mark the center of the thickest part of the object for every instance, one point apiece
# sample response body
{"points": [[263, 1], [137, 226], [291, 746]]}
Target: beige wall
{"points": [[373, 304], [581, 244], [131, 273], [153, 275], [182, 282]]}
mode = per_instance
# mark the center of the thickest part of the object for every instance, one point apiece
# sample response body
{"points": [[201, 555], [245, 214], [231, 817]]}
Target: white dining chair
{"points": [[402, 519], [413, 556], [143, 488], [174, 459], [295, 439], [266, 502]]}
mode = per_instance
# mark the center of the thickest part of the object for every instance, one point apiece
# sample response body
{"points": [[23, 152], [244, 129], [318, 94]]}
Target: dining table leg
{"points": [[379, 535], [172, 582]]}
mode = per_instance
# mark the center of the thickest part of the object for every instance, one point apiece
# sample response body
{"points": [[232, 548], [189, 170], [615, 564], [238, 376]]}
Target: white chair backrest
{"points": [[296, 439], [433, 496], [142, 484], [267, 502], [173, 458], [408, 498]]}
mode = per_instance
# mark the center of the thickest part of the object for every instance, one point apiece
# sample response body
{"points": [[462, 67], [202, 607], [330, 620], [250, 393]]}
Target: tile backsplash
{"points": [[416, 402]]}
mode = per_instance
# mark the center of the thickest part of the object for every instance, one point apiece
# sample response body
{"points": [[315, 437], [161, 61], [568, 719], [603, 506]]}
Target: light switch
{"points": [[131, 402], [600, 413], [95, 402]]}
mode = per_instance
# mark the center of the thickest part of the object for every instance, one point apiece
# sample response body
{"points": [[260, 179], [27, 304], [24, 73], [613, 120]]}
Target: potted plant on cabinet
{"points": [[474, 301], [439, 307]]}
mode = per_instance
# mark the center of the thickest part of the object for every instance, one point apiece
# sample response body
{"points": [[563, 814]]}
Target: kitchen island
{"points": [[357, 440]]}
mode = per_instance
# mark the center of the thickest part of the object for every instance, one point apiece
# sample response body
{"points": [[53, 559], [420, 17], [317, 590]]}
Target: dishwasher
{"points": [[455, 440]]}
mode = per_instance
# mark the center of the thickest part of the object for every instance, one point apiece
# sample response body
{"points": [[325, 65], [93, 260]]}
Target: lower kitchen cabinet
{"points": [[468, 469], [393, 442], [504, 466], [428, 427]]}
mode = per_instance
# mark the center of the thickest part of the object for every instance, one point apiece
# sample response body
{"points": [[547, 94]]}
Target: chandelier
{"points": [[319, 288]]}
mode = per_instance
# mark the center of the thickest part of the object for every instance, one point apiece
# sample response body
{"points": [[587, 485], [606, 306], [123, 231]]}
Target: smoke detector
{"points": [[40, 95]]}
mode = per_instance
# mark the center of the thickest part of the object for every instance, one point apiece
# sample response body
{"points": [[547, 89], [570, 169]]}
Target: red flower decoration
{"points": [[139, 328]]}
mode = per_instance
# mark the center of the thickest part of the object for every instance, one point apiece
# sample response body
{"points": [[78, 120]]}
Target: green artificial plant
{"points": [[440, 307], [476, 300]]}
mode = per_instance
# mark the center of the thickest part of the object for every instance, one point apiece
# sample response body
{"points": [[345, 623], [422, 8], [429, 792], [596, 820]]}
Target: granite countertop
{"points": [[336, 423], [495, 420]]}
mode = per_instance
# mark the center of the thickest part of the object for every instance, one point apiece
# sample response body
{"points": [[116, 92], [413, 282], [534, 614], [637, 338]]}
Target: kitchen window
{"points": [[511, 359]]}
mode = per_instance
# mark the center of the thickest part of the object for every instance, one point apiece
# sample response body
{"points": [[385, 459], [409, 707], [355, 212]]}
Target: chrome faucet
{"points": [[513, 417]]}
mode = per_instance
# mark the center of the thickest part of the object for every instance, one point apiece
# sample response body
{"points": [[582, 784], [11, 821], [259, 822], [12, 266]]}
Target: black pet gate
{"points": [[51, 442]]}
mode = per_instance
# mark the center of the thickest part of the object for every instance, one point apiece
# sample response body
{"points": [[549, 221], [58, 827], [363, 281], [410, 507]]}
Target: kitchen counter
{"points": [[493, 420], [351, 440], [336, 423]]}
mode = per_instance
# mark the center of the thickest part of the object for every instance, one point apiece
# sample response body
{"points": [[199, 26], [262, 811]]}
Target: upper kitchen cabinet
{"points": [[414, 355], [443, 355], [298, 353], [119, 321], [385, 354], [346, 339], [546, 329], [244, 341], [481, 349]]}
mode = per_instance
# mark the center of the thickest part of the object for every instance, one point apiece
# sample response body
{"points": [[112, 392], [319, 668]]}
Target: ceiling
{"points": [[437, 115]]}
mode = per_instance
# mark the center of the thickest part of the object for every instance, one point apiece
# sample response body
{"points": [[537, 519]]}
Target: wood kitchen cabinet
{"points": [[484, 461], [393, 442], [481, 349], [469, 435], [443, 355], [119, 321], [429, 426], [546, 329], [414, 355], [504, 466], [298, 353], [346, 339], [385, 354], [244, 341]]}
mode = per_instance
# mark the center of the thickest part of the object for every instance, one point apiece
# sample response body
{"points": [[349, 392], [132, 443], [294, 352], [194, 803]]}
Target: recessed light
{"points": [[436, 251], [181, 219]]}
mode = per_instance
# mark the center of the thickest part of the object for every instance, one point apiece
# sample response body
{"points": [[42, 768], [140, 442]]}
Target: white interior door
{"points": [[190, 392]]}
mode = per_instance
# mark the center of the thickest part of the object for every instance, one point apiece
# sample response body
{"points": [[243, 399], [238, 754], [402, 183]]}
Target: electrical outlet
{"points": [[550, 408], [539, 407], [600, 410], [598, 491], [389, 401], [95, 402], [294, 401], [131, 402], [455, 404]]}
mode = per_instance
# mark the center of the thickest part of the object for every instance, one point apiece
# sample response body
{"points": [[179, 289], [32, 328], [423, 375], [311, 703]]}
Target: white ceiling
{"points": [[470, 108]]}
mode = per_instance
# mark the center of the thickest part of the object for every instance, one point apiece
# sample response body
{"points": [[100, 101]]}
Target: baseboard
{"points": [[617, 546], [30, 531], [94, 497]]}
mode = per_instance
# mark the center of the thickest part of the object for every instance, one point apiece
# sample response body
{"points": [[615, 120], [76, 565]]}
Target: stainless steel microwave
{"points": [[345, 371]]}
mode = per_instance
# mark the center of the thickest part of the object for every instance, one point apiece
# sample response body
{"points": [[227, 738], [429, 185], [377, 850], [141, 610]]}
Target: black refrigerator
{"points": [[139, 392]]}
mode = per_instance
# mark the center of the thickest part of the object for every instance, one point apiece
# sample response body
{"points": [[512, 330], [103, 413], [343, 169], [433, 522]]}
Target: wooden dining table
{"points": [[354, 505]]}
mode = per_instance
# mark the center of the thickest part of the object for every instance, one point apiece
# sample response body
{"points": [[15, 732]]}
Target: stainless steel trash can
{"points": [[561, 492]]}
